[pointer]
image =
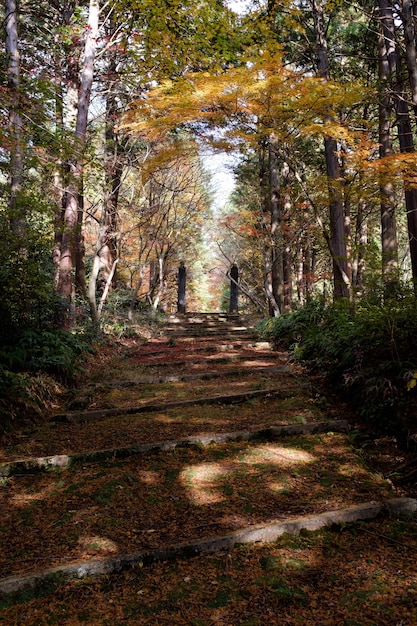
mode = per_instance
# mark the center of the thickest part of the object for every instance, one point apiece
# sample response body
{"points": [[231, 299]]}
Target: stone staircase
{"points": [[206, 441]]}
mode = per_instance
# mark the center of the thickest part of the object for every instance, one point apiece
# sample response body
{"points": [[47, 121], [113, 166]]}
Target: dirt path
{"points": [[194, 443]]}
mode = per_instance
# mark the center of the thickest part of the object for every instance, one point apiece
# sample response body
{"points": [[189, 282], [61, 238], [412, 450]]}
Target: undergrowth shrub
{"points": [[54, 352], [33, 369], [368, 351], [25, 397]]}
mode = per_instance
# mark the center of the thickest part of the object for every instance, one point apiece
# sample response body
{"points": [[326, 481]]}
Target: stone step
{"points": [[265, 533], [19, 467], [235, 398]]}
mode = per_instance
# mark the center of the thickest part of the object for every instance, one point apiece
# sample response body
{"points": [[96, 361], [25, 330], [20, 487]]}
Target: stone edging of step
{"points": [[264, 533], [208, 346], [31, 465], [176, 378], [234, 398], [213, 359]]}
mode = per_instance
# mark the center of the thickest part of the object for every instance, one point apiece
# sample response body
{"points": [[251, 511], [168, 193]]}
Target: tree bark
{"points": [[387, 69], [114, 166], [277, 276], [405, 136], [15, 121], [361, 241], [287, 240], [408, 15], [66, 285], [405, 133], [273, 305], [336, 210]]}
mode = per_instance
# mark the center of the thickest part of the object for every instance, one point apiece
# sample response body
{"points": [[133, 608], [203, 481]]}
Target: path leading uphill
{"points": [[170, 459]]}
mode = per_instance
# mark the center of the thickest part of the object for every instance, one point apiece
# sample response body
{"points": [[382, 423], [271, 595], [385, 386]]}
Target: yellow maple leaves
{"points": [[412, 382], [262, 95]]}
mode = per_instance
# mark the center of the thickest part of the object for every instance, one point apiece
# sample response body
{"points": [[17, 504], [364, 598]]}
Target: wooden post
{"points": [[234, 290], [182, 277]]}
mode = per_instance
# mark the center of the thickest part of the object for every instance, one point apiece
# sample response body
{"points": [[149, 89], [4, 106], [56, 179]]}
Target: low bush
{"points": [[33, 371], [368, 351], [54, 352]]}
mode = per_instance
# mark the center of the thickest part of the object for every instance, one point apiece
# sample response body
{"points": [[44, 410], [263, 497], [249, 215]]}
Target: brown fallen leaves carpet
{"points": [[363, 573]]}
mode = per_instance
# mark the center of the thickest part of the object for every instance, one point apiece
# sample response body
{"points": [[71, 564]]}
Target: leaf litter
{"points": [[355, 574]]}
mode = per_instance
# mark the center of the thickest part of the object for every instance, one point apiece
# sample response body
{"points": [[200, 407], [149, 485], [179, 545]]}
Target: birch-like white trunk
{"points": [[69, 238], [15, 121]]}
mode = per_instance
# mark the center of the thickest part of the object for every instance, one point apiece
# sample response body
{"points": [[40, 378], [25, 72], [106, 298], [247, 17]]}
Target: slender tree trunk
{"points": [[67, 267], [287, 239], [347, 213], [337, 223], [405, 135], [307, 268], [287, 268], [408, 14], [276, 225], [387, 70], [361, 241], [114, 167], [15, 121], [273, 305], [80, 277], [59, 167], [160, 282], [300, 278]]}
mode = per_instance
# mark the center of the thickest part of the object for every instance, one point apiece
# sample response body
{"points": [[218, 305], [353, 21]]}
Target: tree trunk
{"points": [[66, 285], [80, 278], [347, 213], [59, 166], [15, 121], [300, 278], [387, 69], [114, 166], [276, 225], [273, 305], [307, 268], [337, 222], [405, 136], [361, 240], [287, 269], [408, 15]]}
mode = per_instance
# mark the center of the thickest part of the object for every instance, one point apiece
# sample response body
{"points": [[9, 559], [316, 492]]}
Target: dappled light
{"points": [[280, 486], [276, 455], [202, 482], [208, 337], [97, 545]]}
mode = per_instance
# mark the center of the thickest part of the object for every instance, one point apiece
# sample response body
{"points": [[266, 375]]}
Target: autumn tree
{"points": [[168, 224]]}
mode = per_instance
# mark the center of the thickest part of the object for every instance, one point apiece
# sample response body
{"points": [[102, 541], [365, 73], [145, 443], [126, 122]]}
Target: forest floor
{"points": [[205, 480]]}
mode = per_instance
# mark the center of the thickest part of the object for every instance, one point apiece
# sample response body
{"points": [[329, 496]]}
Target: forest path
{"points": [[192, 444]]}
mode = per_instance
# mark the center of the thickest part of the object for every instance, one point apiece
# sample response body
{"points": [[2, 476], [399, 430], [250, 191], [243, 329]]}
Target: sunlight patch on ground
{"points": [[276, 455], [257, 363], [98, 545], [280, 486], [201, 481]]}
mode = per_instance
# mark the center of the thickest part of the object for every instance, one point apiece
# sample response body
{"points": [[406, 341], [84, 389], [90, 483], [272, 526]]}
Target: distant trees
{"points": [[97, 118]]}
